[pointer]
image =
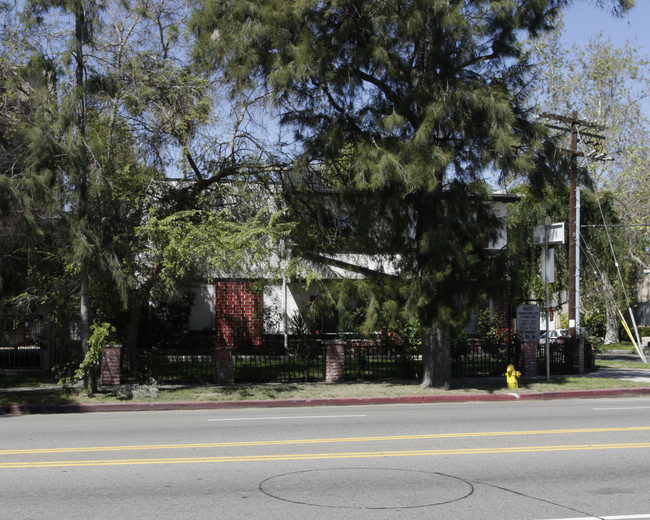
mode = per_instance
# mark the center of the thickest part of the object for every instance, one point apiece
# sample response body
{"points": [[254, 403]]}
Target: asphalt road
{"points": [[585, 458]]}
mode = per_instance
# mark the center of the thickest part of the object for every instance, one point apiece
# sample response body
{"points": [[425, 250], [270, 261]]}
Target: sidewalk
{"points": [[641, 374]]}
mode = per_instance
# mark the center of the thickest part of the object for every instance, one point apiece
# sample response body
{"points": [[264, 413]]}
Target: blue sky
{"points": [[583, 20]]}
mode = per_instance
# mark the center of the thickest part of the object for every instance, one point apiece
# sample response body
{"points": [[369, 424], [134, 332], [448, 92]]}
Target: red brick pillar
{"points": [[238, 325], [502, 308], [529, 358], [111, 365], [334, 361], [238, 314], [580, 357], [224, 367]]}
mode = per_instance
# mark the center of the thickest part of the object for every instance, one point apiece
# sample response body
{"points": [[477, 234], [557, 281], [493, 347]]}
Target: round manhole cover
{"points": [[367, 488]]}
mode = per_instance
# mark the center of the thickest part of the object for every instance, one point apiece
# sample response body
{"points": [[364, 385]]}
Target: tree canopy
{"points": [[607, 85], [100, 110], [415, 102], [400, 113]]}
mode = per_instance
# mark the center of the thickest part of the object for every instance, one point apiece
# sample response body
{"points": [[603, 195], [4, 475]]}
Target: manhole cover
{"points": [[367, 488]]}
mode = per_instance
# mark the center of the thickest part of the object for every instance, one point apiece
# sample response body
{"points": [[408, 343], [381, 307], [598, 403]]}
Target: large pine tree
{"points": [[415, 100]]}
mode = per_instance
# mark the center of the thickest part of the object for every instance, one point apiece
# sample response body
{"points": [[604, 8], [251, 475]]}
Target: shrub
{"points": [[90, 366]]}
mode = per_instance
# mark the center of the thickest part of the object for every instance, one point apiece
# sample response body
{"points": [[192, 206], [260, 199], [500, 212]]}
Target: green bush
{"points": [[89, 368]]}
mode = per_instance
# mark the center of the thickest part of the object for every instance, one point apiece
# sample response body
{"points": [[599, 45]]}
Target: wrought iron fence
{"points": [[20, 358], [302, 358], [169, 366], [22, 343], [370, 360], [563, 357], [558, 358], [475, 358], [184, 358]]}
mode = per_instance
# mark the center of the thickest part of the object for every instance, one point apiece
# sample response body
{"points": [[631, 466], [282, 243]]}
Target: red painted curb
{"points": [[25, 409]]}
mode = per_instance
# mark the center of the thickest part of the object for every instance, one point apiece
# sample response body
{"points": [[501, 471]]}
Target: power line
{"points": [[614, 225]]}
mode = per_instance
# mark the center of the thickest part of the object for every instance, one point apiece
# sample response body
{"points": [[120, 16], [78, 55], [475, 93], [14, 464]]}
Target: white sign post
{"points": [[546, 235], [528, 322]]}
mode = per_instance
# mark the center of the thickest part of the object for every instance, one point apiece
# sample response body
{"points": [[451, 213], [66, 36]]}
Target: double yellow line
{"points": [[321, 456], [289, 442]]}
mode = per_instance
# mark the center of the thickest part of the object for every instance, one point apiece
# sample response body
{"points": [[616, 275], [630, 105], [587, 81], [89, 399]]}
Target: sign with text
{"points": [[528, 322], [551, 234]]}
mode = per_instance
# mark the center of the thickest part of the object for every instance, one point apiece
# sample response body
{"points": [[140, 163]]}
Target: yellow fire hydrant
{"points": [[511, 377]]}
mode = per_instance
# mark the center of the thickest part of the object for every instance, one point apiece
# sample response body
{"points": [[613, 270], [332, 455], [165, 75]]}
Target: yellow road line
{"points": [[289, 442], [322, 456]]}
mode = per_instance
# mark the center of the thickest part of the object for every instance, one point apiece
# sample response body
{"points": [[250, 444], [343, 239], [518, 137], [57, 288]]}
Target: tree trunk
{"points": [[137, 305], [611, 311], [84, 317], [611, 332], [436, 357], [82, 186]]}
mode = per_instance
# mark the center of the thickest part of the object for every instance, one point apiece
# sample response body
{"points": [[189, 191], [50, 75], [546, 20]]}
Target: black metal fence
{"points": [[23, 343], [24, 346], [563, 357], [170, 366], [301, 359], [258, 367], [479, 359], [367, 360], [20, 358], [474, 358]]}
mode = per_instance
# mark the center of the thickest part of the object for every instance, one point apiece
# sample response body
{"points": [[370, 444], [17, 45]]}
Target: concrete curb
{"points": [[26, 409]]}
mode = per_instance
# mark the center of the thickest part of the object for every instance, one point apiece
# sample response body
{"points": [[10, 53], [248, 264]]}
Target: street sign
{"points": [[528, 322], [548, 266], [554, 234]]}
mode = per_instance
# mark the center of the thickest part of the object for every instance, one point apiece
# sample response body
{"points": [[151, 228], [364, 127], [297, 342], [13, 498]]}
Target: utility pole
{"points": [[573, 183], [574, 126]]}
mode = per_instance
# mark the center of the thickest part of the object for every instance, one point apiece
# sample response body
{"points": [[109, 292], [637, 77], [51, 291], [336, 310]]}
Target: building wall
{"points": [[241, 316], [238, 313], [501, 211], [203, 308], [276, 298]]}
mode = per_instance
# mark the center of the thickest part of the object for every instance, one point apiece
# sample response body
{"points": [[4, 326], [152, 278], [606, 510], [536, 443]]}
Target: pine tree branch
{"points": [[390, 94], [194, 167], [366, 271]]}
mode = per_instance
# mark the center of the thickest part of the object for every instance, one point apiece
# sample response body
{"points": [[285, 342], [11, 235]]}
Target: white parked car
{"points": [[554, 335]]}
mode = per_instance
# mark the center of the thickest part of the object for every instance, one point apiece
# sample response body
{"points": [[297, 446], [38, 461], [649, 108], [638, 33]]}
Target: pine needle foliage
{"points": [[415, 101]]}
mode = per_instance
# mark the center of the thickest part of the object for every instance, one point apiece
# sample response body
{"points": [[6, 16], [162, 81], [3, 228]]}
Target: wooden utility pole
{"points": [[574, 127]]}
